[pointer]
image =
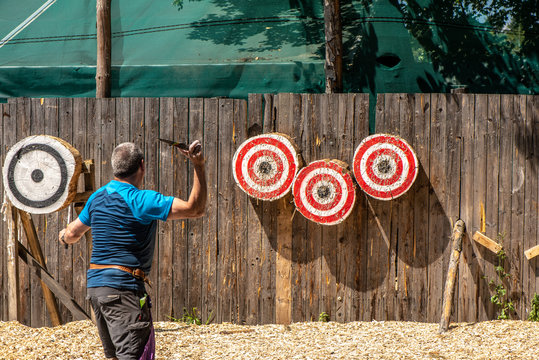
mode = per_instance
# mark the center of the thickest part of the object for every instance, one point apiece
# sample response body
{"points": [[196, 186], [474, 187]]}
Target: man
{"points": [[123, 222]]}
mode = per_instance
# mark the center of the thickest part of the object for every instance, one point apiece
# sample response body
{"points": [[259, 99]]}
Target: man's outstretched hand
{"points": [[194, 153]]}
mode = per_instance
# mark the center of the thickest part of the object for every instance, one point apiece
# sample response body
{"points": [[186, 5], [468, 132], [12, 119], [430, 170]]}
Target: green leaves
{"points": [[499, 298], [534, 312], [192, 317]]}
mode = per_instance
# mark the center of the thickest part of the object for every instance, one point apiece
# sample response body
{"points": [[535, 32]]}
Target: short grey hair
{"points": [[126, 160]]}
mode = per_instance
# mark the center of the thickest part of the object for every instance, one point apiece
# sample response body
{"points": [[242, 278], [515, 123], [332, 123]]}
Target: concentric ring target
{"points": [[324, 192], [385, 166], [264, 166], [40, 174]]}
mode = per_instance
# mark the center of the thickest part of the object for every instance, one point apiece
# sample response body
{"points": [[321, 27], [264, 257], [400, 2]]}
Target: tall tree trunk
{"points": [[333, 31], [102, 76]]}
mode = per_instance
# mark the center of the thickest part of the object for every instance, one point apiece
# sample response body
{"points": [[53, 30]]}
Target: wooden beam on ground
{"points": [[13, 299], [37, 253], [57, 289], [449, 291], [532, 252], [487, 242]]}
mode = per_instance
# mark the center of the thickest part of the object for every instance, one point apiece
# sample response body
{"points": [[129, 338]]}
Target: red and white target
{"points": [[324, 192], [264, 166], [385, 166]]}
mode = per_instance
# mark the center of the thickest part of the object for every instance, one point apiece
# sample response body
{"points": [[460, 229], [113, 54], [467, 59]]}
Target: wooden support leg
{"points": [[13, 299], [35, 248], [449, 291], [283, 264]]}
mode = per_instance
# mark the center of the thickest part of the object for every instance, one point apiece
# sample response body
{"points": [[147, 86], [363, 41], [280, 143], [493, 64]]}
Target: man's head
{"points": [[126, 159]]}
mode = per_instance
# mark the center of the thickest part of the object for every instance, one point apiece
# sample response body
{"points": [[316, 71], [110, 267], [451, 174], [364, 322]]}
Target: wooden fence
{"points": [[256, 262]]}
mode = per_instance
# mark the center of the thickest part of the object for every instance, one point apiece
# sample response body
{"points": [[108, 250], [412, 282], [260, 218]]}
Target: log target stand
{"points": [[33, 256]]}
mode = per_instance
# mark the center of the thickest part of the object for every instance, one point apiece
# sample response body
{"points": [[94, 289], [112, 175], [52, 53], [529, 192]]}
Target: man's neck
{"points": [[130, 180]]}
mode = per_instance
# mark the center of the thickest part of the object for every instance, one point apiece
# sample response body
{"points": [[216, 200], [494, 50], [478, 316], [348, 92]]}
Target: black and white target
{"points": [[264, 166], [40, 174], [385, 166], [324, 192]]}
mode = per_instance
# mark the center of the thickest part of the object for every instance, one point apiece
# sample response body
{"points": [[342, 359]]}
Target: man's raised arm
{"points": [[195, 206]]}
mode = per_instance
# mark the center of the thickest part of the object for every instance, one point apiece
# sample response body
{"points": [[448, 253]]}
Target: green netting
{"points": [[232, 48]]}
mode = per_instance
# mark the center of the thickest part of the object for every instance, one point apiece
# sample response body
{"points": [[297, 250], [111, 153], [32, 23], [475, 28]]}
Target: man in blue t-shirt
{"points": [[123, 222]]}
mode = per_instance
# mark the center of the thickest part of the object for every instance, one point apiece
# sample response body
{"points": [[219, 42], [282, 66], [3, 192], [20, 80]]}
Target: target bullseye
{"points": [[264, 166], [40, 174], [385, 166], [324, 192]]}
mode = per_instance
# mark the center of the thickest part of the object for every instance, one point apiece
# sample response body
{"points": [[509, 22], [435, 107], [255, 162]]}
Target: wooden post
{"points": [[13, 299], [333, 32], [458, 232], [35, 248], [283, 263], [102, 77]]}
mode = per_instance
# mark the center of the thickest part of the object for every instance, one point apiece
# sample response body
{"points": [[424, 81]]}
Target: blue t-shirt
{"points": [[123, 221]]}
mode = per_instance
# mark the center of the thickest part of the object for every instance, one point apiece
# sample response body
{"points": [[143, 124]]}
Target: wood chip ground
{"points": [[358, 340]]}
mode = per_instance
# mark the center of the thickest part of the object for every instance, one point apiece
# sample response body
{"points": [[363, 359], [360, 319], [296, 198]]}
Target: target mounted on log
{"points": [[264, 166], [324, 192], [40, 174], [385, 166]]}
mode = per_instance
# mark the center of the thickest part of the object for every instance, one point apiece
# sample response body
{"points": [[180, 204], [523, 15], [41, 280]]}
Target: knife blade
{"points": [[177, 144]]}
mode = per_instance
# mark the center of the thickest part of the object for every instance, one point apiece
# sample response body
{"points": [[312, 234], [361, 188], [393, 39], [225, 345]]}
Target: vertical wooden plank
{"points": [[181, 271], [80, 249], [12, 286], [438, 233], [151, 182], [420, 249], [516, 254], [253, 239], [269, 236], [283, 260], [453, 166], [136, 125], [405, 220], [310, 145], [361, 131], [240, 220], [226, 280], [51, 220], [392, 125], [23, 114], [39, 311], [506, 175], [166, 185], [468, 267], [121, 117], [93, 151], [531, 206], [298, 265], [329, 113], [195, 227], [348, 232], [479, 196], [377, 249], [108, 131], [65, 256], [486, 219], [211, 250], [15, 310]]}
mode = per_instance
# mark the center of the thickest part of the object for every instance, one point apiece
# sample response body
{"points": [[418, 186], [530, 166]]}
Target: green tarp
{"points": [[232, 48]]}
